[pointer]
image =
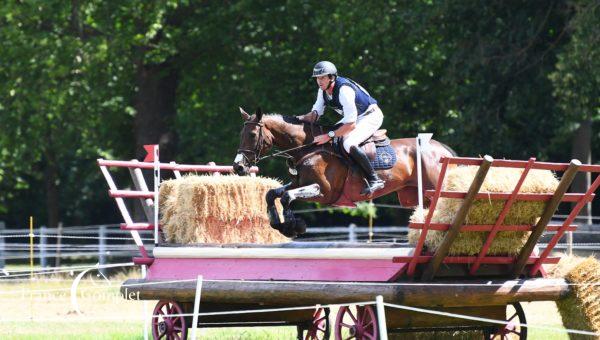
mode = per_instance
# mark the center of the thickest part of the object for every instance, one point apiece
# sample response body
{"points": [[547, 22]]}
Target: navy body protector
{"points": [[362, 99]]}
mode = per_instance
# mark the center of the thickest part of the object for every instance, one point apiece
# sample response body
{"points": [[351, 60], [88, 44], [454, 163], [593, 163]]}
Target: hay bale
{"points": [[498, 180], [217, 209], [581, 310]]}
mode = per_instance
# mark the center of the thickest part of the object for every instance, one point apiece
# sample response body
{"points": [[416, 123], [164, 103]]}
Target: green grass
{"points": [[106, 330], [106, 315]]}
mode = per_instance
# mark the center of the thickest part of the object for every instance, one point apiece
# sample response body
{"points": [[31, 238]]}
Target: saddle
{"points": [[378, 139], [377, 148]]}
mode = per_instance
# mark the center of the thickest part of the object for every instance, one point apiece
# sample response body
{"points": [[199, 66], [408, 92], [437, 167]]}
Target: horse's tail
{"points": [[452, 152]]}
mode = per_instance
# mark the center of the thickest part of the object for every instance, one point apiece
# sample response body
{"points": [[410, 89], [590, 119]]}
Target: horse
{"points": [[320, 174]]}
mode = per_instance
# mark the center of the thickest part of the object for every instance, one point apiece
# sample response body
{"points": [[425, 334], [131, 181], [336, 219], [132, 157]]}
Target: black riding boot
{"points": [[374, 182]]}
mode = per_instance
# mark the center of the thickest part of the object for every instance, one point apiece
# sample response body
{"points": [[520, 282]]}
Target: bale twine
{"points": [[581, 309], [217, 209], [484, 211]]}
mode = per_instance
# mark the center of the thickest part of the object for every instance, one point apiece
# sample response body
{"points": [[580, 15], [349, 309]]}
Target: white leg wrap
{"points": [[308, 191]]}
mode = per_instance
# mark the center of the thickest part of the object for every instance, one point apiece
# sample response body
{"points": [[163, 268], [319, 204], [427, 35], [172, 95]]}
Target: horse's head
{"points": [[253, 143]]}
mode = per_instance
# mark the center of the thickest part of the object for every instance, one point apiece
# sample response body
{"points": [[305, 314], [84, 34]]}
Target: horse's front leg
{"points": [[292, 225], [271, 208]]}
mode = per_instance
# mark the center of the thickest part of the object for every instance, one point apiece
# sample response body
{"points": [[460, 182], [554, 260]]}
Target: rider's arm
{"points": [[344, 129], [310, 117], [317, 109]]}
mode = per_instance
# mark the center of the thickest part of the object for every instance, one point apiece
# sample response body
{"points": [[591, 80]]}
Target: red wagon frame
{"points": [[232, 284], [526, 257]]}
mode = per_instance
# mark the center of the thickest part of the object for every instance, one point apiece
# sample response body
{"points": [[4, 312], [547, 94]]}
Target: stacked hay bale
{"points": [[485, 211], [581, 309], [217, 209]]}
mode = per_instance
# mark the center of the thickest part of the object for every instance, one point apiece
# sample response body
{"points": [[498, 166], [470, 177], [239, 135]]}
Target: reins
{"points": [[261, 140], [277, 154]]}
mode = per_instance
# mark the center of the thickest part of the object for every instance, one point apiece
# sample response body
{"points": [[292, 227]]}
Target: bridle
{"points": [[257, 148]]}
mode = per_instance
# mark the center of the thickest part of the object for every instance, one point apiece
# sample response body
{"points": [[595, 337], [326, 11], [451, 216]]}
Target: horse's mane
{"points": [[295, 121]]}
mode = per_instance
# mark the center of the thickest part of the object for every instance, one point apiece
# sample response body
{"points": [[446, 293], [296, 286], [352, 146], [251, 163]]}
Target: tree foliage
{"points": [[82, 80]]}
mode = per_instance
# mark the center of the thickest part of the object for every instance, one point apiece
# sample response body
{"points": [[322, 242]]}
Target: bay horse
{"points": [[319, 174]]}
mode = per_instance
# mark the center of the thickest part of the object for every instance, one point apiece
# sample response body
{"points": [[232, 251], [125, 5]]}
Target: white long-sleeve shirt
{"points": [[347, 97]]}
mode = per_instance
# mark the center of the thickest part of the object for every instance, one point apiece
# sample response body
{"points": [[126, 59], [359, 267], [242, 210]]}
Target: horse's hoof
{"points": [[288, 230], [300, 226]]}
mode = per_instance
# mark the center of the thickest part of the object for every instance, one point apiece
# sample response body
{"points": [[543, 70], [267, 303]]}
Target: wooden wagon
{"points": [[421, 285]]}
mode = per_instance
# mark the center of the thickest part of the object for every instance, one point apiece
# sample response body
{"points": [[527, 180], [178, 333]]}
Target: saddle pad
{"points": [[385, 157]]}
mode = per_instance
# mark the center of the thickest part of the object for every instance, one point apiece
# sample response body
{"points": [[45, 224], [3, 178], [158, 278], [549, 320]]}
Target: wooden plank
{"points": [[289, 293], [458, 221], [137, 226], [501, 196], [131, 194], [563, 186]]}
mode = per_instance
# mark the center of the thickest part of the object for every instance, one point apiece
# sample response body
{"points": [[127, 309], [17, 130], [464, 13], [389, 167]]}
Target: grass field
{"points": [[42, 309]]}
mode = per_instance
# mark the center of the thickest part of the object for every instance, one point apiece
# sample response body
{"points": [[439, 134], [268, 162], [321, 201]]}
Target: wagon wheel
{"points": [[356, 322], [319, 327], [165, 326], [513, 329]]}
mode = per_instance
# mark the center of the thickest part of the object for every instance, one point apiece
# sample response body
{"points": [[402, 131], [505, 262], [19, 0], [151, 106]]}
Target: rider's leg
{"points": [[365, 127], [374, 182]]}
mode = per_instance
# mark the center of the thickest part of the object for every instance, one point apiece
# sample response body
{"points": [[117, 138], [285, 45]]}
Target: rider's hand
{"points": [[322, 139]]}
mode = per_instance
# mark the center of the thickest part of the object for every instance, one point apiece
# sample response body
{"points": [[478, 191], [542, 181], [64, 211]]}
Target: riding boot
{"points": [[374, 183]]}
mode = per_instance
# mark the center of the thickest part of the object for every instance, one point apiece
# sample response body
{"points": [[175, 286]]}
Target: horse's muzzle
{"points": [[240, 169]]}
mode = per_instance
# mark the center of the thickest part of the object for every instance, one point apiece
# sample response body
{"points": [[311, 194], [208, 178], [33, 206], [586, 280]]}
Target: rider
{"points": [[361, 116]]}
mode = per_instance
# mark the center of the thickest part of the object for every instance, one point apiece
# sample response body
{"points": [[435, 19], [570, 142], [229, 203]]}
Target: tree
{"points": [[576, 83]]}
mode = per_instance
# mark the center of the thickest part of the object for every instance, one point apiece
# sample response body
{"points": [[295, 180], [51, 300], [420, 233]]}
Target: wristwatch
{"points": [[331, 134]]}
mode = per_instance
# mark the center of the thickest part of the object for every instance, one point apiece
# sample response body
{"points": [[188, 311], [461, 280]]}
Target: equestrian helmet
{"points": [[323, 68]]}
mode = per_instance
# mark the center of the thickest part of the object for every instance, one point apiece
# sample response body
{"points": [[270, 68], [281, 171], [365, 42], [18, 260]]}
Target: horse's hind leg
{"points": [[292, 224]]}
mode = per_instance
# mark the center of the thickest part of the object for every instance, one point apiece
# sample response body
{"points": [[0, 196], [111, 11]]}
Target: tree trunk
{"points": [[582, 150], [52, 192], [155, 107]]}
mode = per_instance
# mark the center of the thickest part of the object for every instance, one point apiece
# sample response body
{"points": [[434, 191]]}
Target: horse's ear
{"points": [[259, 114], [245, 114]]}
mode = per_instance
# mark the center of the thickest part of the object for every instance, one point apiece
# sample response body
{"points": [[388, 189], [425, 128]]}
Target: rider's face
{"points": [[323, 81]]}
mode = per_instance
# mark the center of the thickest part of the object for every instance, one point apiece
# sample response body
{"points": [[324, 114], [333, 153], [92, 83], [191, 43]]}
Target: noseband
{"points": [[257, 148]]}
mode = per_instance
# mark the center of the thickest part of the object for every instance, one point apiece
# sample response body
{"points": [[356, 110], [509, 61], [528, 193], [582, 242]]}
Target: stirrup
{"points": [[372, 187]]}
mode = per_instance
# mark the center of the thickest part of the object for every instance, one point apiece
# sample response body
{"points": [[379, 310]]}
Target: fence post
{"points": [[352, 232], [196, 306], [43, 251], [2, 262], [102, 248], [570, 242], [381, 318], [58, 244]]}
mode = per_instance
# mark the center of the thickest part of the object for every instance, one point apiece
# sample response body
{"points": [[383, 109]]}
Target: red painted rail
{"points": [[171, 166]]}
